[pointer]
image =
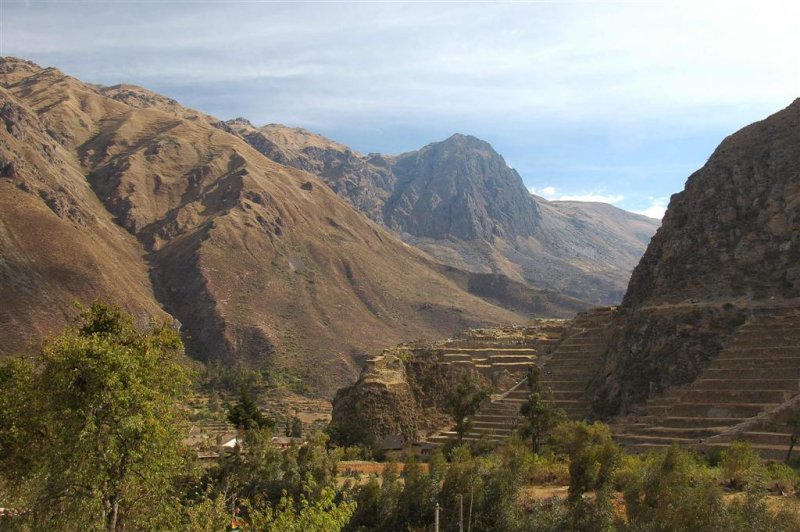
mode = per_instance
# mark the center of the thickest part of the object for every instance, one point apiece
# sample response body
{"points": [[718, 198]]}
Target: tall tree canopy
{"points": [[91, 431], [464, 401]]}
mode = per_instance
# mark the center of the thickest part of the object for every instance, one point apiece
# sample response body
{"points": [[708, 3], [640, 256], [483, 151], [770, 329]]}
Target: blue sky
{"points": [[616, 101]]}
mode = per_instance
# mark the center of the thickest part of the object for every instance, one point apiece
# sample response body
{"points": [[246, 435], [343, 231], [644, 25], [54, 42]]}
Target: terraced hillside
{"points": [[736, 397], [569, 363], [499, 353]]}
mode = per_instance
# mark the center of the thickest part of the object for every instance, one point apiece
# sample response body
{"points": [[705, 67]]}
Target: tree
{"points": [[674, 491], [99, 434], [540, 416], [464, 402], [741, 465], [294, 428], [319, 513], [793, 424], [246, 415], [593, 458]]}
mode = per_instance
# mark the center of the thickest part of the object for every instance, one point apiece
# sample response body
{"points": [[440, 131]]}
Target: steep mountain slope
{"points": [[261, 263], [57, 242], [459, 201], [729, 244]]}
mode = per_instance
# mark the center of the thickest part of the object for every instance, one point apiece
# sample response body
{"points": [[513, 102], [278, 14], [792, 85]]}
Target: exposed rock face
{"points": [[730, 238], [365, 181], [459, 201], [119, 193], [654, 349], [402, 391], [460, 188], [735, 229]]}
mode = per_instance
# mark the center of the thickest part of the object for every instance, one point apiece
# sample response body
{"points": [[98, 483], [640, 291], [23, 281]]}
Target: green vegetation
{"points": [[539, 414], [464, 402], [91, 431], [217, 377], [92, 438], [245, 414]]}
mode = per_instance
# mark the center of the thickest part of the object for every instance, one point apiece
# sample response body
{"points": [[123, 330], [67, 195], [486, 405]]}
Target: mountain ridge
{"points": [[263, 265], [459, 201]]}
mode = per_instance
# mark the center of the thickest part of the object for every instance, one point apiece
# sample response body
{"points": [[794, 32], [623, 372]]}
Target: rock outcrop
{"points": [[404, 391], [729, 242]]}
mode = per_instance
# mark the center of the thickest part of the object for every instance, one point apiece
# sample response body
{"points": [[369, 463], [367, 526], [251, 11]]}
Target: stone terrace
{"points": [[568, 365], [757, 372]]}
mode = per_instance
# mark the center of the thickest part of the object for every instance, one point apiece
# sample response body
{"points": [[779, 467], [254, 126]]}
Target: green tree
{"points": [[246, 415], [593, 458], [417, 502], [464, 401], [306, 513], [91, 431], [674, 491], [539, 415], [294, 428], [741, 466]]}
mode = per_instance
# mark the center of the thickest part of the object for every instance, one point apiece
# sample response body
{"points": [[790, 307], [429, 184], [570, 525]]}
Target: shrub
{"points": [[741, 466], [781, 478]]}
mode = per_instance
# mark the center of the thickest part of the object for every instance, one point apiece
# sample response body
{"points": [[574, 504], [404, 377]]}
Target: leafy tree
{"points": [[91, 431], [539, 414], [675, 492], [307, 513], [490, 487], [593, 458], [258, 472], [246, 415], [416, 504], [464, 401], [294, 428]]}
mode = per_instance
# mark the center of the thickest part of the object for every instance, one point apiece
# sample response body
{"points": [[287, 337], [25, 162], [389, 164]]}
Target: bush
{"points": [[548, 469], [741, 466], [781, 478], [628, 471], [674, 491]]}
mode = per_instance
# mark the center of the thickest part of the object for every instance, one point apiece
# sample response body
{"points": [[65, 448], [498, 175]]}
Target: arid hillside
{"points": [[119, 193], [459, 201]]}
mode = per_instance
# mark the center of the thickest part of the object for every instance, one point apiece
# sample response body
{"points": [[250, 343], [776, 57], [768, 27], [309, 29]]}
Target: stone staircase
{"points": [[756, 373], [568, 370], [568, 364]]}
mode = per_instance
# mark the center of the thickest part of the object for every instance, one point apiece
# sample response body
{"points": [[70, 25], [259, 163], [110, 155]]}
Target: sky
{"points": [[600, 101]]}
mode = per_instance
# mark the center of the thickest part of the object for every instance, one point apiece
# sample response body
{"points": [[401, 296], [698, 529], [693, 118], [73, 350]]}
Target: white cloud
{"points": [[546, 192], [602, 198], [550, 193], [657, 208], [574, 62]]}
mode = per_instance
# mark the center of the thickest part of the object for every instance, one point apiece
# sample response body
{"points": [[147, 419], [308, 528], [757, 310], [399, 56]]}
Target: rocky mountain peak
{"points": [[239, 121], [735, 229], [460, 188]]}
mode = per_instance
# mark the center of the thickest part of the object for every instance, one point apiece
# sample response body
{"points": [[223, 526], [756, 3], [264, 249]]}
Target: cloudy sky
{"points": [[611, 101]]}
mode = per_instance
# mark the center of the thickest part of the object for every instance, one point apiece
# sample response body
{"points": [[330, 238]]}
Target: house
{"points": [[423, 449], [394, 445]]}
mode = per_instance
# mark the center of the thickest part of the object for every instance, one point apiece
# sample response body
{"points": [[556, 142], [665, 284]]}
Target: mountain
{"points": [[459, 201], [123, 194], [729, 244]]}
